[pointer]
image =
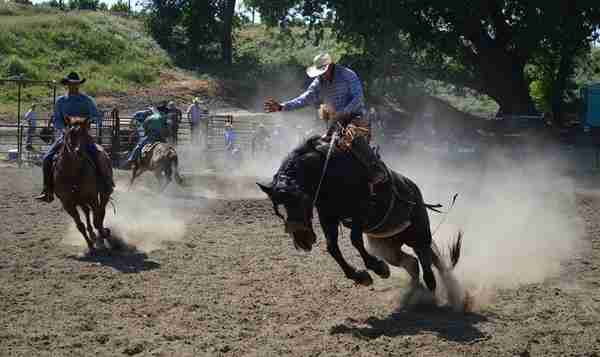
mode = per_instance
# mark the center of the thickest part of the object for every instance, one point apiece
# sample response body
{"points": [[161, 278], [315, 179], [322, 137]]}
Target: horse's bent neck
{"points": [[70, 164]]}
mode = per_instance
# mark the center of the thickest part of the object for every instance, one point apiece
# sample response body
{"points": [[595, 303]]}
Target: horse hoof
{"points": [[362, 278], [381, 269], [100, 245]]}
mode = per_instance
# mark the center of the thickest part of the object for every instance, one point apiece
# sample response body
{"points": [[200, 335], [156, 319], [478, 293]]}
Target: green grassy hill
{"points": [[114, 53]]}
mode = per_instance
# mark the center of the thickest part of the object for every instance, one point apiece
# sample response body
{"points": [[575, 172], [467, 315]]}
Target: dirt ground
{"points": [[231, 284]]}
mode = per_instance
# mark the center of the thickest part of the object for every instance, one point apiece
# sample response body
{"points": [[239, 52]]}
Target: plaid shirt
{"points": [[344, 93]]}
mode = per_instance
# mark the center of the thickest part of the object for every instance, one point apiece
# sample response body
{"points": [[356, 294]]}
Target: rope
{"points": [[450, 206], [331, 145]]}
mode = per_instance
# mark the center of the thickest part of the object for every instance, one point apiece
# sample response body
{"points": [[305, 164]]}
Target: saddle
{"points": [[147, 149]]}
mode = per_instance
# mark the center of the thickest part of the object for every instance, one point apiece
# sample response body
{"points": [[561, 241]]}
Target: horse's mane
{"points": [[304, 147], [287, 170]]}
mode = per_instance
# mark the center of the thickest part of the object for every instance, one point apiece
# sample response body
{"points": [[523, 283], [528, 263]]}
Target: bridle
{"points": [[294, 226], [68, 135]]}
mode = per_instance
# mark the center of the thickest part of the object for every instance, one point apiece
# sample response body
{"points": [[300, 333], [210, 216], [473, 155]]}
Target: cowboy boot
{"points": [[47, 194], [376, 170]]}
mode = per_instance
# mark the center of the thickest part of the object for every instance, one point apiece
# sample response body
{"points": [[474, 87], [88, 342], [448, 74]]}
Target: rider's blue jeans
{"points": [[135, 153]]}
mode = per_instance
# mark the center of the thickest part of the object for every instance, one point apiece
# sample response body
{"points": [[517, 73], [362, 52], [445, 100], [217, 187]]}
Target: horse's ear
{"points": [[268, 188]]}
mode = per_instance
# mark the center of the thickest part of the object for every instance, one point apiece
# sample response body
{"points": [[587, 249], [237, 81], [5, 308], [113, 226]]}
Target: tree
{"points": [[162, 17], [227, 10], [483, 45], [205, 24], [84, 4], [120, 6]]}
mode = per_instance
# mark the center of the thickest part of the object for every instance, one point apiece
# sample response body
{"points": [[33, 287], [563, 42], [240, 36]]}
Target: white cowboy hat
{"points": [[321, 63], [196, 100]]}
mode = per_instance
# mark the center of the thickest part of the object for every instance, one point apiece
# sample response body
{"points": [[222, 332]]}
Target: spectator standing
{"points": [[197, 115], [31, 119]]}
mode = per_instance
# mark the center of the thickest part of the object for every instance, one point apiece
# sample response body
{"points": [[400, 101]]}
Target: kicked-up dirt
{"points": [[217, 276]]}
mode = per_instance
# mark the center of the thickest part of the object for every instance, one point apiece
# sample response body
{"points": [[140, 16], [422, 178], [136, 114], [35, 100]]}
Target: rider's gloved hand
{"points": [[271, 105], [342, 117]]}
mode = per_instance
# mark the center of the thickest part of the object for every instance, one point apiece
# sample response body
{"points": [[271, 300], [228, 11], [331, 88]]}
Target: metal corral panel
{"points": [[591, 95]]}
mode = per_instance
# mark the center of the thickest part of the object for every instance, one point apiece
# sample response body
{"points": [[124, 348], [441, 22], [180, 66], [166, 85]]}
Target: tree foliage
{"points": [[120, 6], [483, 45], [83, 4], [198, 28]]}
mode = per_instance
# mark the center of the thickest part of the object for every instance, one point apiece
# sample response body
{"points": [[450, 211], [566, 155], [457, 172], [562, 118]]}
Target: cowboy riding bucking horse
{"points": [[341, 92]]}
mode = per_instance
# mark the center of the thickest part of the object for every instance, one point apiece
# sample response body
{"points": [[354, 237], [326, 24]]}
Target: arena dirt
{"points": [[216, 276]]}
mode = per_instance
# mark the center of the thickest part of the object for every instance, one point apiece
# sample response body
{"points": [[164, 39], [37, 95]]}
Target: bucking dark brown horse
{"points": [[397, 215], [76, 183]]}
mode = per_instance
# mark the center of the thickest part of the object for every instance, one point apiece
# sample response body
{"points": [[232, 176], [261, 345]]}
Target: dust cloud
{"points": [[143, 219], [518, 215]]}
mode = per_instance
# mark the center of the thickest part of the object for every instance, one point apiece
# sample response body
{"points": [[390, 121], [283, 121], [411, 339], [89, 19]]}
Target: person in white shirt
{"points": [[196, 115], [30, 119]]}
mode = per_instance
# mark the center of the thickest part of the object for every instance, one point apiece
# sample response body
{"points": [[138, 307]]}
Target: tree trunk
{"points": [[226, 41], [559, 86], [503, 79]]}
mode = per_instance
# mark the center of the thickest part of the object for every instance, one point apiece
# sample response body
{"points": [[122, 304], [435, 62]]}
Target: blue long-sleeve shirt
{"points": [[344, 93], [139, 118], [79, 105]]}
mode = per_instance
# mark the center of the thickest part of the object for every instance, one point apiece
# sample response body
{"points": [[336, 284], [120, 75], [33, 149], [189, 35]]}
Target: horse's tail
{"points": [[451, 256], [458, 297]]}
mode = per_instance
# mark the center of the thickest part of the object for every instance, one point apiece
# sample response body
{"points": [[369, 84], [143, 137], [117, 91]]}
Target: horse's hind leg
{"points": [[162, 181], [389, 250], [426, 257], [72, 211]]}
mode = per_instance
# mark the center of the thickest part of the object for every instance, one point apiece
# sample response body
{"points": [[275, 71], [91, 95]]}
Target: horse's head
{"points": [[298, 212], [293, 188], [76, 135]]}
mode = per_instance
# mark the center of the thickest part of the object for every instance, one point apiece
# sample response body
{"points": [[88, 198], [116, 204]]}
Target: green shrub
{"points": [[14, 66]]}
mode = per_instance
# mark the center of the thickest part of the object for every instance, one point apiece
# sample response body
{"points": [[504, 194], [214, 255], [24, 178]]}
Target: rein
{"points": [[331, 144]]}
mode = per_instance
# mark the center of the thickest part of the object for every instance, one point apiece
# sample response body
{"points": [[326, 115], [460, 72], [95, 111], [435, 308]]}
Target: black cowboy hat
{"points": [[162, 107], [72, 78]]}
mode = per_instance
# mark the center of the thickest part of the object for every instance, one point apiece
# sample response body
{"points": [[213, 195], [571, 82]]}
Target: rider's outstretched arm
{"points": [[310, 96]]}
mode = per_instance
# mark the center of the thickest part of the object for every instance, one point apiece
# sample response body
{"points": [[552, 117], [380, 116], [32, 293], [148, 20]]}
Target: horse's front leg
{"points": [[372, 263], [72, 211], [90, 227], [331, 233], [135, 173]]}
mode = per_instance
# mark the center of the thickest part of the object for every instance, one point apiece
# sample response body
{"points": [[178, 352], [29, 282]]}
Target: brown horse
{"points": [[161, 159], [76, 183]]}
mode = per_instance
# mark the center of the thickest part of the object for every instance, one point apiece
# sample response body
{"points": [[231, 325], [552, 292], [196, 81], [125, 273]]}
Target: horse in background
{"points": [[76, 183], [160, 158]]}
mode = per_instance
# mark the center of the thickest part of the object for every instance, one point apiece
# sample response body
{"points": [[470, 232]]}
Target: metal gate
{"points": [[25, 143]]}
